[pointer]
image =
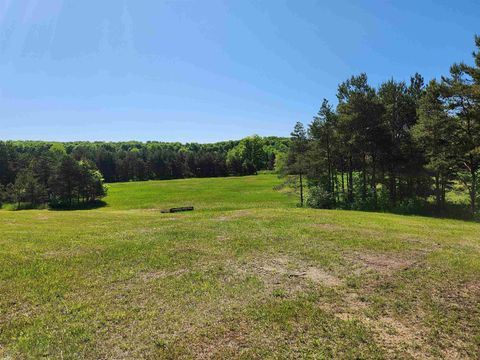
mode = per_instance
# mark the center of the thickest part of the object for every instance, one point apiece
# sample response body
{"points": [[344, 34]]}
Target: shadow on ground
{"points": [[82, 206]]}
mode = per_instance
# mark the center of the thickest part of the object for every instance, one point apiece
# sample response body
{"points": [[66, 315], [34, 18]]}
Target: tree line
{"points": [[394, 146], [72, 173], [56, 179]]}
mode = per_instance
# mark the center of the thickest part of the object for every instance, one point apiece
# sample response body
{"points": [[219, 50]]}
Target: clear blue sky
{"points": [[207, 70]]}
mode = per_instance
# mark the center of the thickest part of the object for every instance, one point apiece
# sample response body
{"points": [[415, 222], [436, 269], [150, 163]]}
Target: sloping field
{"points": [[246, 275]]}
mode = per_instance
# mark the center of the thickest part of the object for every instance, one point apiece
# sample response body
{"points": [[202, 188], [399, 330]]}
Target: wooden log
{"points": [[178, 209], [185, 208]]}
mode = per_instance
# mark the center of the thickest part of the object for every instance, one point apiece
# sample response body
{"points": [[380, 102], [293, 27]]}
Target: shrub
{"points": [[319, 199]]}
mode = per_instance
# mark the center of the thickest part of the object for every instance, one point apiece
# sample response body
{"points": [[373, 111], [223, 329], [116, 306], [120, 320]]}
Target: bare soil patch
{"points": [[381, 262], [290, 272], [409, 339]]}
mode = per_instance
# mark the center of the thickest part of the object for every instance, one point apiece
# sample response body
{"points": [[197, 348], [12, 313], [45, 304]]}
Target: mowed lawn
{"points": [[245, 275]]}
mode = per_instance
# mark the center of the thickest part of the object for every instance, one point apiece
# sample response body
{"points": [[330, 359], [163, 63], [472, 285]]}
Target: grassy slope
{"points": [[245, 275]]}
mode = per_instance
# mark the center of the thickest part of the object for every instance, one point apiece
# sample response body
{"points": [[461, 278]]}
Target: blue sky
{"points": [[207, 70]]}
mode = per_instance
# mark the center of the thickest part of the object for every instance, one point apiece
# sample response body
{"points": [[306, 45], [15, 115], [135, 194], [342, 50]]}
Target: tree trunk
{"points": [[329, 168], [301, 190], [350, 180], [392, 189], [444, 191], [374, 182], [364, 176], [334, 183], [69, 187], [437, 192], [473, 189], [410, 190]]}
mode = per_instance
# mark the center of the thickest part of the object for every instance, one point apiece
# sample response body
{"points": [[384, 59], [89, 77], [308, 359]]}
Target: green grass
{"points": [[246, 275], [231, 193]]}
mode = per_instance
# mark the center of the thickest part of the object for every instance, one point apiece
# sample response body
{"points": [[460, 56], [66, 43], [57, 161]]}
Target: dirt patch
{"points": [[227, 342], [381, 262], [472, 289], [396, 335], [273, 265], [349, 307], [407, 340], [320, 276], [292, 273]]}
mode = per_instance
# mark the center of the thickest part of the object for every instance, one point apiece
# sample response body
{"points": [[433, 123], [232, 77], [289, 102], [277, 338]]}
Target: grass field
{"points": [[246, 275]]}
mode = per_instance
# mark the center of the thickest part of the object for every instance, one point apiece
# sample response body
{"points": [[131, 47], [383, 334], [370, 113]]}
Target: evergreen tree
{"points": [[398, 118], [64, 182], [296, 163], [28, 189], [435, 134], [323, 134], [360, 128], [462, 93]]}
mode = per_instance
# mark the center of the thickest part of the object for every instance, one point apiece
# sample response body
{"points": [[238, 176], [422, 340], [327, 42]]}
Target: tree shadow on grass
{"points": [[452, 211], [82, 206]]}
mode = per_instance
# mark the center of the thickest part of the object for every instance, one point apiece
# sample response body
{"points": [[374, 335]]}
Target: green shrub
{"points": [[319, 199]]}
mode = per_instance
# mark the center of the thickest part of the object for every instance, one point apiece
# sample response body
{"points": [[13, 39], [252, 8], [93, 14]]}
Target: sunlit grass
{"points": [[246, 275]]}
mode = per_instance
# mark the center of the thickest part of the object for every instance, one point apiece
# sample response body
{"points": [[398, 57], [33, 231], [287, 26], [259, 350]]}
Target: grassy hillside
{"points": [[246, 275], [231, 193]]}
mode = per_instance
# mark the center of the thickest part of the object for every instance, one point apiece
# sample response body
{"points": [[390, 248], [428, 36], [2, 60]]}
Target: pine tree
{"points": [[360, 126], [435, 133], [323, 133], [398, 118], [462, 93], [296, 163]]}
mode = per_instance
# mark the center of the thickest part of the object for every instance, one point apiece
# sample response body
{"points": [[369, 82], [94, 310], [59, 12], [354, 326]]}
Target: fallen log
{"points": [[178, 209]]}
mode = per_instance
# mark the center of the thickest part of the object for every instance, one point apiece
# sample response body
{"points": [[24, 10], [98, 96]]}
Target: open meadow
{"points": [[245, 275]]}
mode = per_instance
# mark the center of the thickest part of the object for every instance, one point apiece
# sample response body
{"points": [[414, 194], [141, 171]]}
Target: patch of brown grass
{"points": [[289, 273], [385, 263]]}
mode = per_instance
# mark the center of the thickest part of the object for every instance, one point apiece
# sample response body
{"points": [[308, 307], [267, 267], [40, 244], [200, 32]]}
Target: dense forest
{"points": [[395, 146], [69, 174]]}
